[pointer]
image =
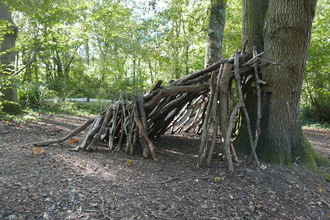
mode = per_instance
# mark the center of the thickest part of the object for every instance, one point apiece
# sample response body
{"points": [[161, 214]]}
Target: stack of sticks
{"points": [[198, 101]]}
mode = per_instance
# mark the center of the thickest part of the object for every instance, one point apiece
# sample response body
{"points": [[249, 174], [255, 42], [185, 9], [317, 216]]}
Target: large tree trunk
{"points": [[215, 32], [286, 40], [7, 60], [254, 13]]}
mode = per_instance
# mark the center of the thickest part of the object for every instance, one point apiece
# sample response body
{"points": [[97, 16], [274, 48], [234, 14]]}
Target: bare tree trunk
{"points": [[7, 59], [254, 13], [215, 32]]}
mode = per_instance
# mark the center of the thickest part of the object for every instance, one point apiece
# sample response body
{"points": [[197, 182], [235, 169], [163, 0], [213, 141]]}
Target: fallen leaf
{"points": [[320, 189], [73, 141], [7, 122], [129, 162], [21, 163], [37, 150], [327, 178]]}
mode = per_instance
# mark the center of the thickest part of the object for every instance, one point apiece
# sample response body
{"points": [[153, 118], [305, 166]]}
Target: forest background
{"points": [[95, 49]]}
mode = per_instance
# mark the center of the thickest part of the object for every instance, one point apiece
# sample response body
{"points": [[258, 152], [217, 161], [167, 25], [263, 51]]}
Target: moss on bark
{"points": [[308, 156], [267, 152]]}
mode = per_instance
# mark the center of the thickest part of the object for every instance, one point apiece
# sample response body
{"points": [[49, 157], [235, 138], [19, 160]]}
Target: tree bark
{"points": [[215, 32], [287, 40], [7, 59], [254, 13]]}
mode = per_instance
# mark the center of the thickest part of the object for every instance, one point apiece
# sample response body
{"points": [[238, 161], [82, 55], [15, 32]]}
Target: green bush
{"points": [[33, 95], [316, 114]]}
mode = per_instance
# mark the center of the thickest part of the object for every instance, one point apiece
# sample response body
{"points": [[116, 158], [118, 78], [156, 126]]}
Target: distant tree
{"points": [[316, 88], [7, 58]]}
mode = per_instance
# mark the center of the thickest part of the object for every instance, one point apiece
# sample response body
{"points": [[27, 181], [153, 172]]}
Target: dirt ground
{"points": [[55, 183]]}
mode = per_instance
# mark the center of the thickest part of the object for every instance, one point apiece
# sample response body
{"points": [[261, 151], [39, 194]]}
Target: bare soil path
{"points": [[55, 183]]}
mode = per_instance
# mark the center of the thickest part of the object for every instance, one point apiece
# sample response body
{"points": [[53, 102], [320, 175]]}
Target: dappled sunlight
{"points": [[319, 139], [180, 153]]}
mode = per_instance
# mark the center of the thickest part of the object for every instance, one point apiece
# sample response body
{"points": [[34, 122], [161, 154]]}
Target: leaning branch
{"points": [[72, 134]]}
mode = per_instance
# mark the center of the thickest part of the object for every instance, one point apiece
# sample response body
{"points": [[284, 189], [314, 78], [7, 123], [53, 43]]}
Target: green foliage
{"points": [[327, 178], [93, 49], [97, 49], [21, 116], [233, 28], [316, 88], [32, 95]]}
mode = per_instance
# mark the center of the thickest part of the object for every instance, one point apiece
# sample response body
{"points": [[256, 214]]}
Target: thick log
{"points": [[123, 127], [173, 90], [204, 71], [216, 120], [206, 125], [94, 129], [198, 73], [144, 137], [100, 132], [113, 127]]}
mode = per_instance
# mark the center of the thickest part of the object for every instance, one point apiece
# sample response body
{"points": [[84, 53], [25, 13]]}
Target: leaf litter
{"points": [[55, 183]]}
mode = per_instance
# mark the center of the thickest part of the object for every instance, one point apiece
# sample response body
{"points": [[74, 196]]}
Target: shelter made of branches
{"points": [[200, 102]]}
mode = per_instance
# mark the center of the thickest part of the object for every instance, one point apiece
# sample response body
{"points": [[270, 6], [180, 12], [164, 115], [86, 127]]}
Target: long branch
{"points": [[173, 90], [71, 134]]}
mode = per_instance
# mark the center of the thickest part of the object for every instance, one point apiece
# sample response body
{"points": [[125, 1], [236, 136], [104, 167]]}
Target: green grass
{"points": [[316, 125], [64, 108], [73, 108]]}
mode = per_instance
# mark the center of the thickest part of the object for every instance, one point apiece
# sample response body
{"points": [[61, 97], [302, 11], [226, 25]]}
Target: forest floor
{"points": [[55, 183]]}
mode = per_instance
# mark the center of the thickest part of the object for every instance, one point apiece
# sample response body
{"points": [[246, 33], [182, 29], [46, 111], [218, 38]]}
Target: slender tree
{"points": [[7, 59]]}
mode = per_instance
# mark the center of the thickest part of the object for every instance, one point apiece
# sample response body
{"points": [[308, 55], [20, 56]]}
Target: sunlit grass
{"points": [[63, 108], [316, 125]]}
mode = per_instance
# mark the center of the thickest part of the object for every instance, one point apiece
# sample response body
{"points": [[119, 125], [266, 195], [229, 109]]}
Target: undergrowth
{"points": [[64, 107]]}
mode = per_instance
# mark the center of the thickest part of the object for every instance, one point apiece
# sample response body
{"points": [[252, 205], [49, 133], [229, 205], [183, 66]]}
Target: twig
{"points": [[102, 209], [26, 65], [169, 180], [321, 199], [271, 62], [252, 60]]}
